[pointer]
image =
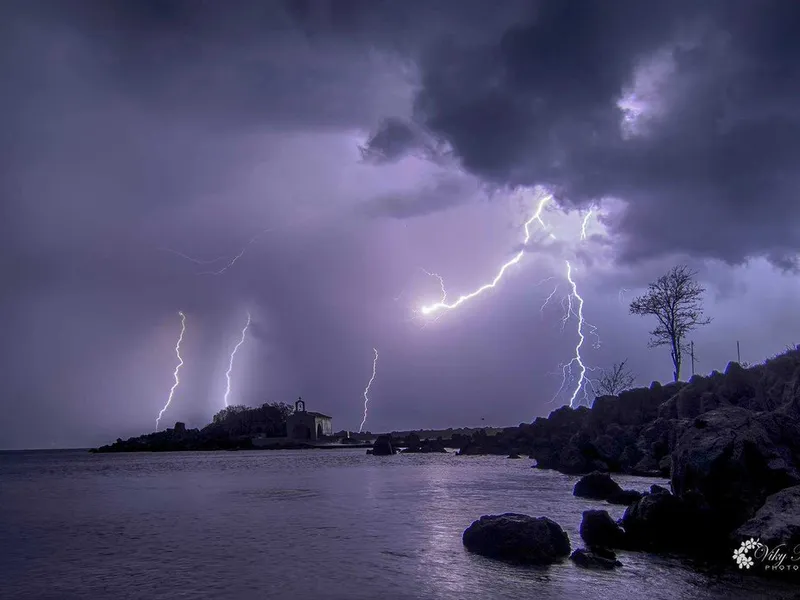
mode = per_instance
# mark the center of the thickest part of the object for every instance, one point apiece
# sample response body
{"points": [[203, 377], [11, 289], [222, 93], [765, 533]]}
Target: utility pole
{"points": [[691, 353], [738, 353]]}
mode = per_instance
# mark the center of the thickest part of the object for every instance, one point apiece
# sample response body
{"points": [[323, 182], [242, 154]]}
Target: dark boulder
{"points": [[595, 559], [668, 523], [657, 489], [599, 530], [425, 446], [776, 523], [624, 497], [597, 485], [736, 458], [517, 538], [383, 446], [513, 455]]}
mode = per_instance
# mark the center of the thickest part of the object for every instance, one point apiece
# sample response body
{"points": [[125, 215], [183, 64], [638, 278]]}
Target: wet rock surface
{"points": [[518, 538]]}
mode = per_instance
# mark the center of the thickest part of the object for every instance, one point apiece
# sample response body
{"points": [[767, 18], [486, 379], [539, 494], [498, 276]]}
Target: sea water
{"points": [[303, 524]]}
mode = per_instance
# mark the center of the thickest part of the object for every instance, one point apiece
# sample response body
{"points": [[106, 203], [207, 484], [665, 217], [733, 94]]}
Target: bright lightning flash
{"points": [[576, 309], [444, 305], [230, 364], [366, 389], [175, 374], [585, 222]]}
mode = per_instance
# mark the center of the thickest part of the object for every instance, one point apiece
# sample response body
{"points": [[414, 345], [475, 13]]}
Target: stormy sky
{"points": [[349, 146]]}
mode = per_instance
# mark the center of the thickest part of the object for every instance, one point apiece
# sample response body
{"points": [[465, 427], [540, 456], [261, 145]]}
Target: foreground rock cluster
{"points": [[729, 443]]}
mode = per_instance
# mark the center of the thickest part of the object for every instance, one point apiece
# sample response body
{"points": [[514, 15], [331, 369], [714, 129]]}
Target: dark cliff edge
{"points": [[729, 443]]}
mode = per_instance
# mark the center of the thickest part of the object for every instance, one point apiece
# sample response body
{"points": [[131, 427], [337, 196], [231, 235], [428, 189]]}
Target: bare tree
{"points": [[676, 300], [618, 379]]}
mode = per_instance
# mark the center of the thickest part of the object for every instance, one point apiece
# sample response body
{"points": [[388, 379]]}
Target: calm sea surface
{"points": [[333, 524]]}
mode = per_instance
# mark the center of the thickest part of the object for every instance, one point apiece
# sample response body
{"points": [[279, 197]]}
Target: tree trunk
{"points": [[676, 359]]}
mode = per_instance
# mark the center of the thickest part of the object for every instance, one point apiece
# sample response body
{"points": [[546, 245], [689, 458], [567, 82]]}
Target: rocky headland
{"points": [[729, 443]]}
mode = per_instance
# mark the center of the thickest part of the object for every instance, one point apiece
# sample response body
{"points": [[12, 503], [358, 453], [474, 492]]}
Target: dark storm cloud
{"points": [[394, 139], [397, 138], [249, 64], [713, 175]]}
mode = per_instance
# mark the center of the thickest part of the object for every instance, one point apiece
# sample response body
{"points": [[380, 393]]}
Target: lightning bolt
{"points": [[230, 364], [547, 301], [175, 374], [366, 389], [232, 260], [584, 223], [196, 261], [444, 305], [441, 283], [577, 359], [621, 295]]}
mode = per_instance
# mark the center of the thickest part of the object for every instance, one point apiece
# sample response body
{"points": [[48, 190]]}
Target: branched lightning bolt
{"points": [[443, 305], [230, 364], [577, 359], [366, 389], [175, 374], [574, 303]]}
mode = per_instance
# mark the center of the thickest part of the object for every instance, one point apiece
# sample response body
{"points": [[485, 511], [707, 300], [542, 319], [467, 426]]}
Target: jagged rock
{"points": [[665, 522], [417, 446], [594, 559], [597, 485], [624, 497], [599, 530], [383, 446], [736, 458], [775, 523], [657, 489], [518, 538]]}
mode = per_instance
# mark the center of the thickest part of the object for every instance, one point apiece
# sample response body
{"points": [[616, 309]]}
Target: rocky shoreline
{"points": [[729, 443]]}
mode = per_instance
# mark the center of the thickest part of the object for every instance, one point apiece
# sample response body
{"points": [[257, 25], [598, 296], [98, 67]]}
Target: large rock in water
{"points": [[595, 559], [775, 523], [383, 446], [598, 486], [599, 530], [736, 458], [517, 538]]}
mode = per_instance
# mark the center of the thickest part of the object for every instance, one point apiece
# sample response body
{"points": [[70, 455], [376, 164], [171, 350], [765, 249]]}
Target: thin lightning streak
{"points": [[621, 295], [547, 301], [366, 389], [196, 261], [585, 221], [426, 310], [232, 262], [230, 364], [441, 284], [241, 252], [175, 374]]}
